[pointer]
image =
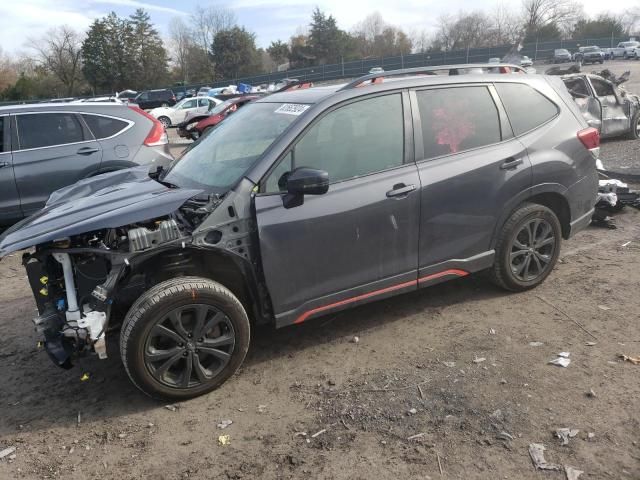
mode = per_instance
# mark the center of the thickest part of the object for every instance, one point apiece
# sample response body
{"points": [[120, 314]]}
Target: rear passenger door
{"points": [[358, 240], [470, 167], [615, 120], [9, 198], [54, 150]]}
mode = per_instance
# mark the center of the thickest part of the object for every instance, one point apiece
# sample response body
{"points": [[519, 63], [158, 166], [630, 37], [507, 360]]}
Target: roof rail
{"points": [[452, 69], [297, 85]]}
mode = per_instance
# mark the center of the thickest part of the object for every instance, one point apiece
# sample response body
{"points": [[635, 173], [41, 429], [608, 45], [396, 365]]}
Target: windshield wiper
{"points": [[158, 176]]}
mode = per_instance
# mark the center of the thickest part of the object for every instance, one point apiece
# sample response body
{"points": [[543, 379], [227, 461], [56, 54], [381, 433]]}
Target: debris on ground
{"points": [[224, 424], [412, 411], [262, 408], [172, 408], [591, 393], [536, 452], [224, 440], [355, 339], [492, 331], [449, 364], [626, 358], [624, 245], [562, 360], [565, 434], [7, 452], [604, 307], [591, 436], [416, 436], [318, 433], [504, 436], [591, 344], [572, 473], [479, 360], [536, 344]]}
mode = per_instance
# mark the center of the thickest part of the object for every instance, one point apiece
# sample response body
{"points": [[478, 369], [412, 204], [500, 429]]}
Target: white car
{"points": [[169, 116]]}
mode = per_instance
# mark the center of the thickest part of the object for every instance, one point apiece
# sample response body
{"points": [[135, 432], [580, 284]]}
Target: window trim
{"points": [[417, 122], [82, 124], [6, 133], [130, 124], [407, 147], [558, 110]]}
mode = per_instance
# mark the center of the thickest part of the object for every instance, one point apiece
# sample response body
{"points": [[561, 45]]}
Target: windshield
{"points": [[219, 159], [592, 49]]}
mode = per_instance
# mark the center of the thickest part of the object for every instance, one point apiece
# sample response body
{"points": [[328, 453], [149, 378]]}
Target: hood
{"points": [[106, 201]]}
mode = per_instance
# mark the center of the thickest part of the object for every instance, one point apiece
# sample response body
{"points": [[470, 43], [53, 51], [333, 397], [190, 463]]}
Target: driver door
{"points": [[615, 118], [359, 240]]}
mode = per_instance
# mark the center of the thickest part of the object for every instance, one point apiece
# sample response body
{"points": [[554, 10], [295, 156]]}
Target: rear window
{"points": [[526, 107], [48, 129], [457, 119], [104, 127]]}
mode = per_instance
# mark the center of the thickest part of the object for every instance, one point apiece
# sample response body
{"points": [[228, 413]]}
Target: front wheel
{"points": [[527, 249], [165, 121], [183, 338]]}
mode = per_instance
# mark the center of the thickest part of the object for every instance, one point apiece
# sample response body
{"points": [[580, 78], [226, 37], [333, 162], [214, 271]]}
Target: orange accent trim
{"points": [[346, 301], [453, 271]]}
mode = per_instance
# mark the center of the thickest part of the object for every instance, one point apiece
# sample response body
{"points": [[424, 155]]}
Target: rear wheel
{"points": [[183, 338], [527, 249], [634, 130]]}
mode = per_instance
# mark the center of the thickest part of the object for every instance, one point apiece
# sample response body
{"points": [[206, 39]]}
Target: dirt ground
{"points": [[447, 382]]}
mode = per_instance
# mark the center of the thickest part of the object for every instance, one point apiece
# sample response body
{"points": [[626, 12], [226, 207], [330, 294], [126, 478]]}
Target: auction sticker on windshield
{"points": [[292, 108]]}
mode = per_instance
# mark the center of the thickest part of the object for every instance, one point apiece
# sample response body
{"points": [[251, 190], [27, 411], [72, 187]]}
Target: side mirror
{"points": [[304, 181]]}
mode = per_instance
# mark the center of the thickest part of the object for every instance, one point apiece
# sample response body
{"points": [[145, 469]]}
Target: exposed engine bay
{"points": [[78, 280]]}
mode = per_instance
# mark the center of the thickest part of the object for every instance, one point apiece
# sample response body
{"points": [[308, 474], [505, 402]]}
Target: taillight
{"points": [[590, 138], [157, 135]]}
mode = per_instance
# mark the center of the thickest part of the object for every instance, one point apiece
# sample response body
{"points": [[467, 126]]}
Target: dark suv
{"points": [[304, 203], [155, 98]]}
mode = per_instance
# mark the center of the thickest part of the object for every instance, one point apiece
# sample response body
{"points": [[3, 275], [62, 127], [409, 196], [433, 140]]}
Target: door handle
{"points": [[511, 162], [4, 164], [400, 190], [88, 150]]}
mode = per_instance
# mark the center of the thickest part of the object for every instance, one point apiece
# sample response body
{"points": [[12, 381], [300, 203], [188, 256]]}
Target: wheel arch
{"points": [[232, 271], [551, 195]]}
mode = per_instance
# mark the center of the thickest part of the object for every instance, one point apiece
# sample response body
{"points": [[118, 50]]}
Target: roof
{"points": [[79, 106]]}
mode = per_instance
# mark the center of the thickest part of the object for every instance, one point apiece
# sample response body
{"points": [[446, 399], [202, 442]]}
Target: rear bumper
{"points": [[581, 223]]}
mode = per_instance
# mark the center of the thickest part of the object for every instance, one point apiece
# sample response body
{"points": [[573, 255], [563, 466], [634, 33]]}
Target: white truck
{"points": [[625, 49]]}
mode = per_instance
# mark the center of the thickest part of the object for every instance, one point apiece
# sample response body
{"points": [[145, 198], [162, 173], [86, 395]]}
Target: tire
{"points": [[165, 121], [634, 130], [170, 327], [514, 235]]}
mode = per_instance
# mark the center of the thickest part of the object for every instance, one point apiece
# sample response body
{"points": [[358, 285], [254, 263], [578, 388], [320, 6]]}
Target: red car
{"points": [[196, 125]]}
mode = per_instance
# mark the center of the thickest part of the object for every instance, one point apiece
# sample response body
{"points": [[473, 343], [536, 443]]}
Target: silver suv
{"points": [[308, 202], [45, 147]]}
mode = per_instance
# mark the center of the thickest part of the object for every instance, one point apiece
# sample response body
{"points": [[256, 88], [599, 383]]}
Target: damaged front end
{"points": [[87, 261]]}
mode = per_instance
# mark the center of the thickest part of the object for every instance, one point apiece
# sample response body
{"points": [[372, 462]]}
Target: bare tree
{"points": [[181, 43], [540, 13], [506, 25], [59, 52], [208, 21], [8, 71], [421, 41]]}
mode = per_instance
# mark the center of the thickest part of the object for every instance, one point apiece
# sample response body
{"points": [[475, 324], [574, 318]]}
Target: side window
{"points": [[358, 139], [104, 127], [189, 104], [48, 129], [457, 119], [526, 107], [577, 87], [4, 147], [203, 102], [144, 96], [602, 88]]}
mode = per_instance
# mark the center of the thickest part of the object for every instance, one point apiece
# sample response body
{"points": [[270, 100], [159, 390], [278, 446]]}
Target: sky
{"points": [[268, 19]]}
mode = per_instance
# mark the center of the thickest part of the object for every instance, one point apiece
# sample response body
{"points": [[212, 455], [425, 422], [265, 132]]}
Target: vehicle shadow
{"points": [[36, 395]]}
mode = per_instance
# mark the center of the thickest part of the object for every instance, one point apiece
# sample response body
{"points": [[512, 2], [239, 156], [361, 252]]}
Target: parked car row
{"points": [[595, 54]]}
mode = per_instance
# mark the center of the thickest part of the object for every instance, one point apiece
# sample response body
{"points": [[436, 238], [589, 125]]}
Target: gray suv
{"points": [[308, 202], [45, 147]]}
